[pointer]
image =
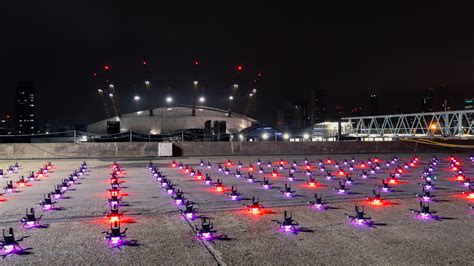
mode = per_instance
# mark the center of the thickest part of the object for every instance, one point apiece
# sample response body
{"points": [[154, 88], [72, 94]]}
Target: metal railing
{"points": [[450, 125]]}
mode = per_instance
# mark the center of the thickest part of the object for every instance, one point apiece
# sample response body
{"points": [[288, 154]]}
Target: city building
{"points": [[317, 105], [26, 122], [443, 98], [294, 115], [469, 104], [6, 125], [427, 104]]}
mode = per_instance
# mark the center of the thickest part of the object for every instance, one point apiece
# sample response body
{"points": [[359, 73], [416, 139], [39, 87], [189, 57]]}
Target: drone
{"points": [[237, 173], [150, 165], [189, 211], [311, 182], [9, 188], [318, 203], [30, 220], [428, 185], [426, 196], [274, 173], [114, 200], [359, 217], [250, 178], [57, 193], [47, 203], [288, 225], [342, 189], [251, 168], [170, 189], [114, 215], [469, 193], [259, 162], [328, 175], [201, 163], [240, 165], [269, 164], [255, 208], [219, 186], [385, 187], [115, 236], [21, 181], [219, 167], [288, 192], [292, 169], [16, 166], [65, 185], [71, 180], [375, 199], [179, 197], [206, 232], [291, 177], [348, 179], [229, 162], [266, 184], [261, 170], [424, 211], [31, 176], [208, 179], [1, 173], [199, 175], [9, 244], [233, 194]]}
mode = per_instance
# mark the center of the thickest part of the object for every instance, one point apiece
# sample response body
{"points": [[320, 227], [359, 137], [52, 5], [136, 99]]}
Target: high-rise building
{"points": [[317, 105], [427, 104], [25, 108], [469, 103], [294, 115], [443, 98], [374, 104], [6, 125]]}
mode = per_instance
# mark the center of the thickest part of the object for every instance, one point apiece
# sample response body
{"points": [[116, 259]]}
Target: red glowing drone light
{"points": [[376, 202], [340, 172], [199, 177], [255, 210], [274, 174], [362, 165], [469, 195], [251, 169], [392, 181], [329, 161], [308, 167], [114, 218], [312, 184]]}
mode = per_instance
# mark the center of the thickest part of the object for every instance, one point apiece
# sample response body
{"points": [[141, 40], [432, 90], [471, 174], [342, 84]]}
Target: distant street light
{"points": [[265, 136], [169, 99], [286, 136], [202, 99], [136, 98], [306, 136], [231, 98], [111, 95]]}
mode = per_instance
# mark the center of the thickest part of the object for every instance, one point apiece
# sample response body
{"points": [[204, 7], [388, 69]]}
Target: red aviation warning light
{"points": [[239, 68], [106, 67]]}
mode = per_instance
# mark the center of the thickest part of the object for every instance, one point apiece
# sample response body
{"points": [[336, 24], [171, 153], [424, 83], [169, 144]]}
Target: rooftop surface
{"points": [[159, 234]]}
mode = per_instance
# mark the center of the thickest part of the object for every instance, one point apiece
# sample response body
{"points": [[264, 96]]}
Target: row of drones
{"points": [[359, 214], [116, 237], [10, 244]]}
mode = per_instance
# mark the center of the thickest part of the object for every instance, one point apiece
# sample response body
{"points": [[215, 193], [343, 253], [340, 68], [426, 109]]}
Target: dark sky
{"points": [[350, 48]]}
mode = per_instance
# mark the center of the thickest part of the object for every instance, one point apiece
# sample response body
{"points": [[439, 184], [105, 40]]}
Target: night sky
{"points": [[350, 48]]}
